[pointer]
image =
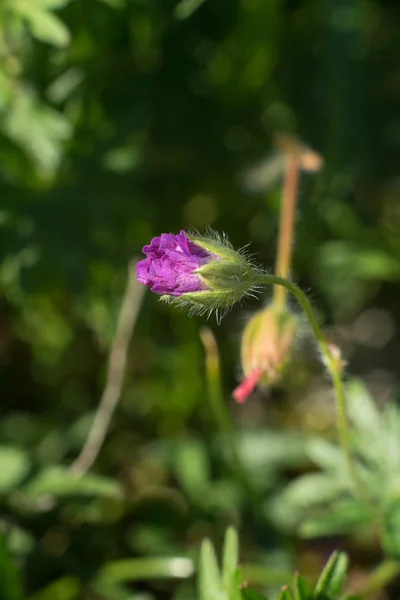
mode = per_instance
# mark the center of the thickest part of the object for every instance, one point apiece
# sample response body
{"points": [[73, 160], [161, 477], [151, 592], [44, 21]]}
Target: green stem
{"points": [[218, 405], [334, 367], [380, 578]]}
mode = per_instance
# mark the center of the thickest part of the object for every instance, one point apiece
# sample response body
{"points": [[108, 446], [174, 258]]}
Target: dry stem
{"points": [[128, 314]]}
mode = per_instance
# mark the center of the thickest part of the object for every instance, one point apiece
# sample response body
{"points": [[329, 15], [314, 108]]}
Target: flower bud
{"points": [[266, 349], [202, 272]]}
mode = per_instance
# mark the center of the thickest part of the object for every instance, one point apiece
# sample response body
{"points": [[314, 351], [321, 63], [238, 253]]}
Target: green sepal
{"points": [[225, 274]]}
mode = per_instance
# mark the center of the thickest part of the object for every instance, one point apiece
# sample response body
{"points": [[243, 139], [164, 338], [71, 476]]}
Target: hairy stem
{"points": [[286, 225], [334, 368]]}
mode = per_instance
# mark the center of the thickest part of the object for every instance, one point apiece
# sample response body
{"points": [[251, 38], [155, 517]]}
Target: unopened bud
{"points": [[203, 273], [266, 349]]}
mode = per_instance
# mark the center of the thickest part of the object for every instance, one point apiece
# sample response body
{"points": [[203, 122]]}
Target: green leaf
{"points": [[252, 594], [192, 467], [345, 259], [275, 449], [38, 129], [302, 588], [342, 517], [313, 488], [59, 481], [66, 588], [44, 26], [264, 575], [235, 591], [210, 583], [286, 594], [10, 579], [391, 532], [52, 4], [331, 580], [113, 591], [362, 407], [14, 466], [134, 569], [325, 454], [230, 558]]}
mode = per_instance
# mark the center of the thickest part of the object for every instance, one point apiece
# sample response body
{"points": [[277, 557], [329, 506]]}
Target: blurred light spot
{"points": [[201, 210], [236, 138], [122, 160], [62, 87], [264, 173], [182, 567], [373, 328]]}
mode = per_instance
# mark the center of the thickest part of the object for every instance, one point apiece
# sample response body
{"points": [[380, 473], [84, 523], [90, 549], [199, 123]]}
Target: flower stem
{"points": [[334, 366], [381, 577], [218, 405], [286, 225]]}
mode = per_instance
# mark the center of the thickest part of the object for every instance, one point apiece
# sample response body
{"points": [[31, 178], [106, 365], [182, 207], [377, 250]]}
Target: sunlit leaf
{"points": [[230, 558], [134, 569], [58, 481], [38, 129], [209, 578], [331, 580], [14, 466], [286, 594], [192, 466], [44, 25], [343, 517], [302, 588]]}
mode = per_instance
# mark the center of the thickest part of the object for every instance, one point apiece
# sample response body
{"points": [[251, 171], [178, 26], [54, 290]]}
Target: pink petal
{"points": [[243, 391]]}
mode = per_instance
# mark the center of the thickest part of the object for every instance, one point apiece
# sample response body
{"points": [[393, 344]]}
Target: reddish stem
{"points": [[286, 225]]}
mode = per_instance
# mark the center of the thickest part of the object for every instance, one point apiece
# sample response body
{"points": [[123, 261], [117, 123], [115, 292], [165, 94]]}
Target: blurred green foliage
{"points": [[120, 119]]}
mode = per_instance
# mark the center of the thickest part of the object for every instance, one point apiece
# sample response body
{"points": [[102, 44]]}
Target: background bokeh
{"points": [[121, 119]]}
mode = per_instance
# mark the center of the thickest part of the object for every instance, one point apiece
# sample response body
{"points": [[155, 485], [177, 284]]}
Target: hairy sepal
{"points": [[226, 275], [207, 302]]}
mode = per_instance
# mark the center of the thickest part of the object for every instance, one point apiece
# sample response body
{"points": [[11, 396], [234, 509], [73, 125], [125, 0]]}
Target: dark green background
{"points": [[143, 121]]}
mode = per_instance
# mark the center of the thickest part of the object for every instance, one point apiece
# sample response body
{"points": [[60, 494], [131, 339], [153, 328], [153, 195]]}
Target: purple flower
{"points": [[202, 273], [171, 263]]}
